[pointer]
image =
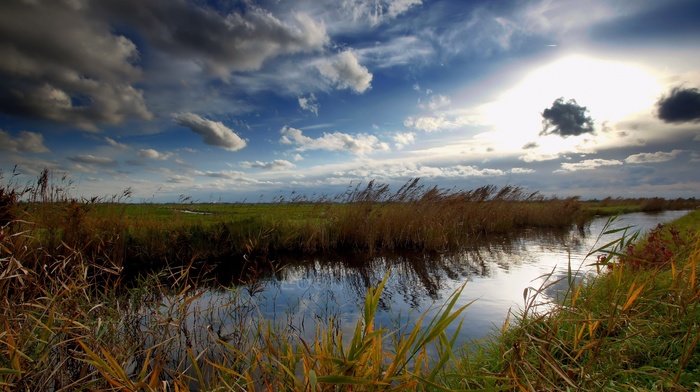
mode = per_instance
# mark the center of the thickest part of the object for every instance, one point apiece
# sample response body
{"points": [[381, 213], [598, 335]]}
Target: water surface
{"points": [[497, 271]]}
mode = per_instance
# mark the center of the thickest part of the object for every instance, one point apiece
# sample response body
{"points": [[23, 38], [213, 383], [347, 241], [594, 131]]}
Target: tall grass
{"points": [[629, 328]]}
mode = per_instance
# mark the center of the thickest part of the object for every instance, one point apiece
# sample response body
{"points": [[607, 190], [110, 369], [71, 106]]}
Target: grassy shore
{"points": [[68, 321]]}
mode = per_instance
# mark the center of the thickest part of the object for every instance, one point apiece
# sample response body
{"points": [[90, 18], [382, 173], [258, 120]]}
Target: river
{"points": [[306, 293]]}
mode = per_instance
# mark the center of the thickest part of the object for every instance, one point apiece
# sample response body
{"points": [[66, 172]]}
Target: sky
{"points": [[223, 101]]}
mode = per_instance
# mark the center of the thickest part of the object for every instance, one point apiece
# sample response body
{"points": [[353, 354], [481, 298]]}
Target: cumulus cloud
{"points": [[24, 142], [360, 144], [237, 41], [150, 153], [93, 160], [402, 139], [277, 164], [213, 133], [344, 71], [588, 164], [566, 119], [46, 74], [681, 105], [309, 103], [653, 157]]}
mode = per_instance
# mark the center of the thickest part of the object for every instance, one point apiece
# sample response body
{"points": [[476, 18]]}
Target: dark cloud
{"points": [[566, 119], [241, 40], [530, 145], [61, 64], [682, 105]]}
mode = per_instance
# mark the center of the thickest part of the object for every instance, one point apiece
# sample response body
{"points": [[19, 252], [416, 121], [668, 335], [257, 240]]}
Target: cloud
{"points": [[398, 7], [566, 119], [530, 145], [179, 179], [226, 174], [45, 74], [682, 105], [520, 170], [412, 170], [214, 133], [436, 102], [93, 160], [361, 144], [588, 164], [116, 144], [376, 11], [309, 103], [437, 123], [150, 153], [237, 41], [24, 142], [402, 139], [653, 157], [344, 71], [277, 164]]}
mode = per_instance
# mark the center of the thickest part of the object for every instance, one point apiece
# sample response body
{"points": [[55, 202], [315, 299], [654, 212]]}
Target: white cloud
{"points": [[309, 103], [437, 123], [588, 164], [116, 144], [436, 102], [360, 144], [397, 7], [376, 11], [277, 164], [653, 157], [398, 51], [386, 171], [24, 142], [344, 71], [150, 153], [402, 139], [521, 170], [214, 133]]}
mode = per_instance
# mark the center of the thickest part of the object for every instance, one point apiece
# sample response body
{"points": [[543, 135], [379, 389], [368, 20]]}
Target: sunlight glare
{"points": [[610, 90]]}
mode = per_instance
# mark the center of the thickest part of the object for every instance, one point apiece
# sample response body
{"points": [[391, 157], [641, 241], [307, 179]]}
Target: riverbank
{"points": [[632, 327]]}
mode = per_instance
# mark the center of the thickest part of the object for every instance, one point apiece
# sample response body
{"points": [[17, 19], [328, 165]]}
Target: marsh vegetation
{"points": [[100, 294]]}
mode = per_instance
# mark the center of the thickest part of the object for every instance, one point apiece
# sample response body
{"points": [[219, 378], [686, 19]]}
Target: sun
{"points": [[610, 90]]}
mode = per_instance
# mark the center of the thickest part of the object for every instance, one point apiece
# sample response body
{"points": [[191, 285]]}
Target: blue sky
{"points": [[230, 100]]}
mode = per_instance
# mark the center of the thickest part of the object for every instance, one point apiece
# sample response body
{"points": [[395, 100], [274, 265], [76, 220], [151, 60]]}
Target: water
{"points": [[309, 292], [329, 293]]}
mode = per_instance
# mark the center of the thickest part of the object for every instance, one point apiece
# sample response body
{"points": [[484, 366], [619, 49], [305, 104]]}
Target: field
{"points": [[75, 318]]}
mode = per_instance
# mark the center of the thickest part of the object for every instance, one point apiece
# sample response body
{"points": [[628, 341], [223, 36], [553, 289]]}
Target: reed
{"points": [[632, 327], [70, 321]]}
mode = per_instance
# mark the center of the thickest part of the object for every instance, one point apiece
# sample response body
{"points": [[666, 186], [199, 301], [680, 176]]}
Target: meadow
{"points": [[77, 276]]}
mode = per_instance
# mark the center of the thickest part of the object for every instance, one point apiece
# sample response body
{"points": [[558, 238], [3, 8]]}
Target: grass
{"points": [[632, 327], [68, 321]]}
